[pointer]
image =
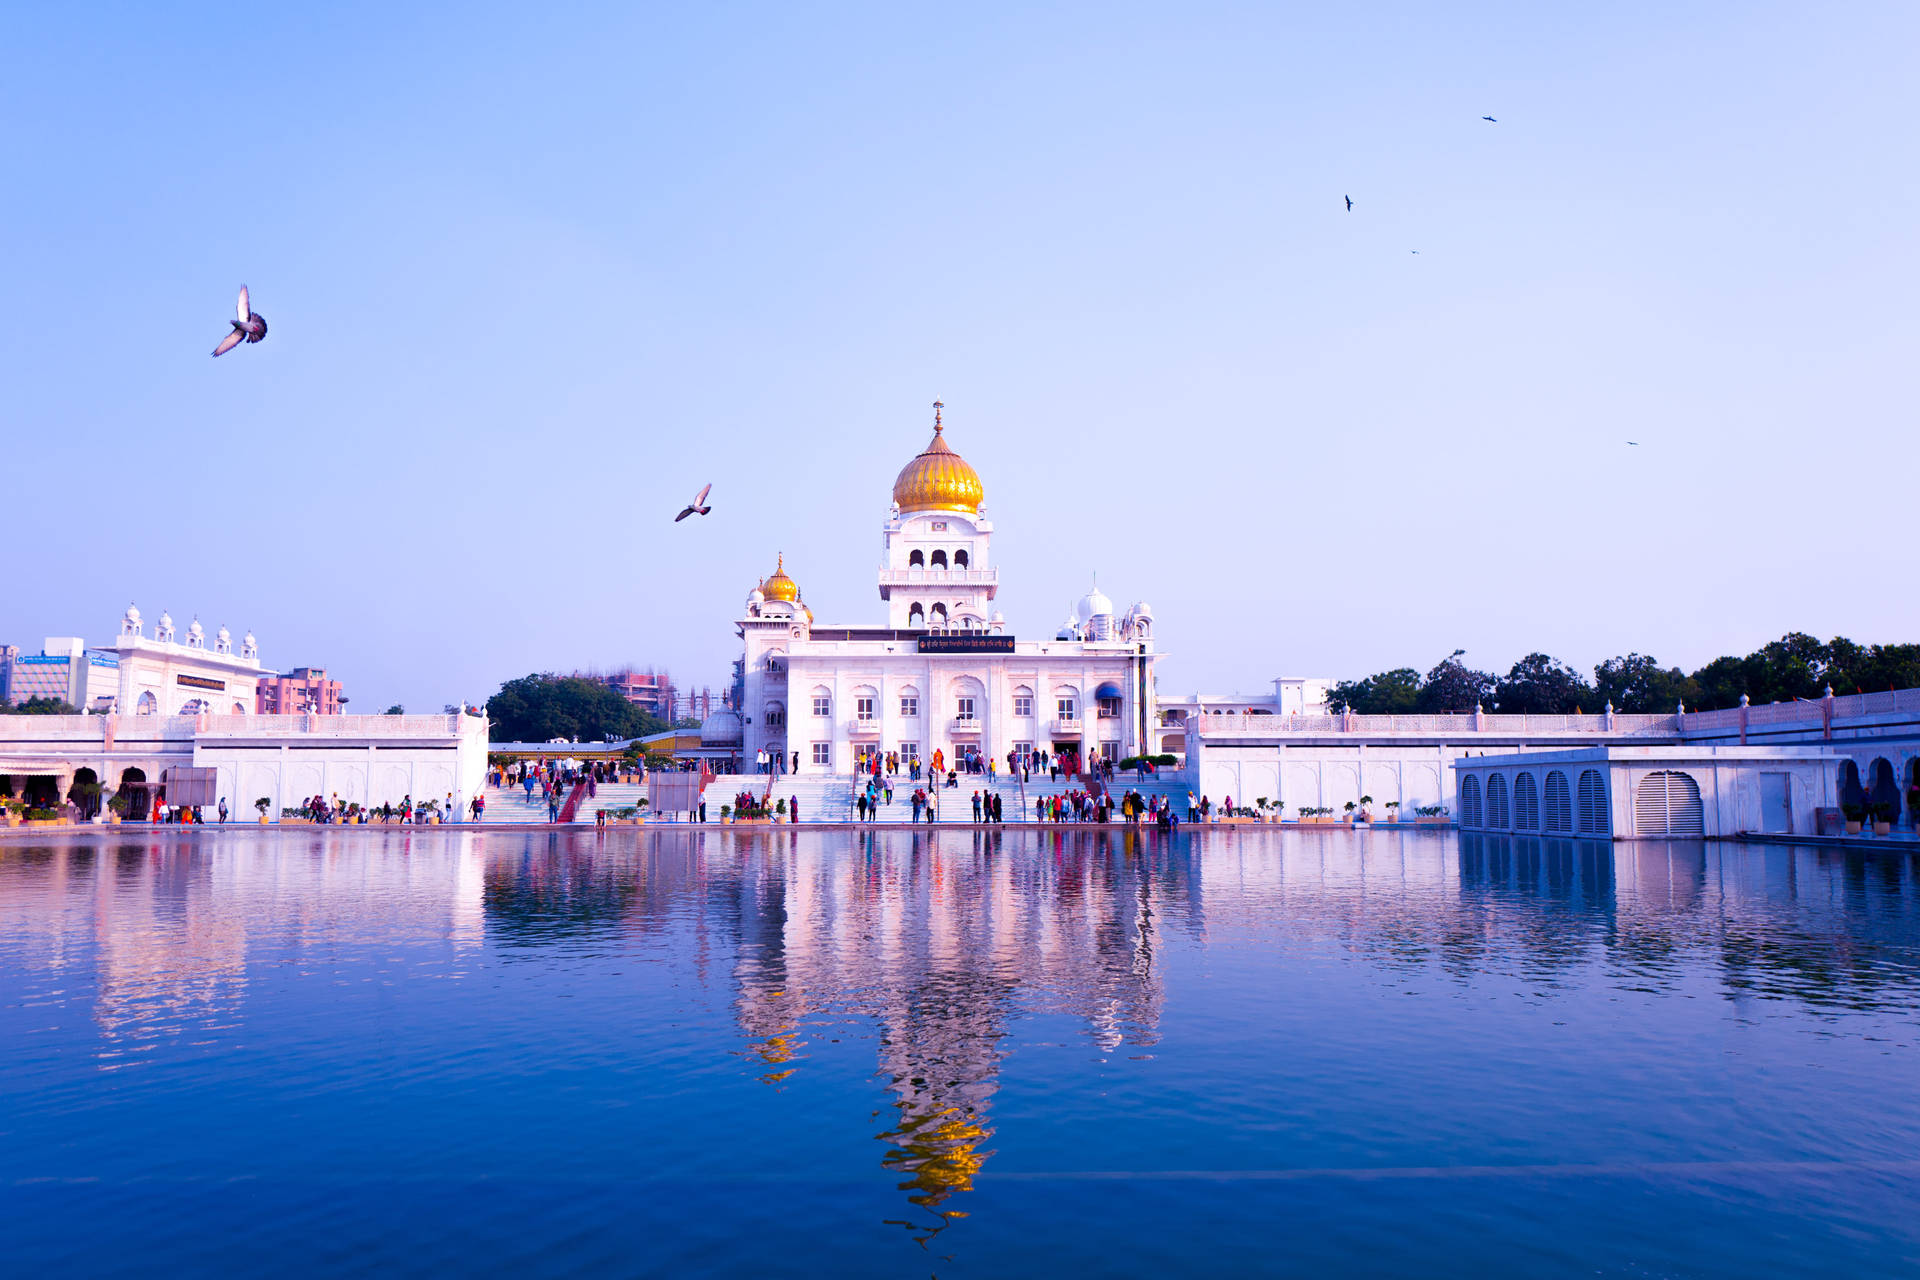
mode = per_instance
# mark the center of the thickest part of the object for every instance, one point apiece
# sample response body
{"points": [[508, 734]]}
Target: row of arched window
{"points": [[1520, 808], [917, 560]]}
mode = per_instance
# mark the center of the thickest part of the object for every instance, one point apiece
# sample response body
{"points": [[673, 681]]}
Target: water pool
{"points": [[958, 1053]]}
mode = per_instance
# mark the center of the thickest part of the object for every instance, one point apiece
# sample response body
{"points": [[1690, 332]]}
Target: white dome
{"points": [[195, 629], [249, 642], [756, 596], [722, 729], [1095, 605], [166, 621], [1142, 609], [223, 635], [133, 613], [999, 618]]}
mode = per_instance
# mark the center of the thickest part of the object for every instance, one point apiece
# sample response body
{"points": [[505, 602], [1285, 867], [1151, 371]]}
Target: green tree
{"points": [[1453, 686], [1540, 684], [396, 710], [41, 707], [537, 708], [1395, 692], [1639, 685]]}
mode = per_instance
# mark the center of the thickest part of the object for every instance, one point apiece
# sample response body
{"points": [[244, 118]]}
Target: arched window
{"points": [[1667, 803], [240, 708], [959, 559], [1593, 804], [916, 616], [1851, 792], [915, 560], [148, 705], [193, 707], [939, 560], [1559, 805], [774, 715], [1526, 804], [939, 617], [1469, 801], [1498, 819]]}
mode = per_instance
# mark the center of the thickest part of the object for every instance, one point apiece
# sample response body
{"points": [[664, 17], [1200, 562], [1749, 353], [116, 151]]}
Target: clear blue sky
{"points": [[534, 273]]}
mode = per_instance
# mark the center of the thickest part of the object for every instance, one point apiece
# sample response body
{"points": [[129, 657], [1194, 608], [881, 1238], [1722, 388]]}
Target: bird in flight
{"points": [[1413, 251], [1634, 443], [1349, 204], [698, 507], [1490, 119], [250, 327]]}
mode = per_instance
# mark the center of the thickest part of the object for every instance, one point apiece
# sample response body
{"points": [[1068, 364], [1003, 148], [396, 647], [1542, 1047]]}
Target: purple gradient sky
{"points": [[534, 274]]}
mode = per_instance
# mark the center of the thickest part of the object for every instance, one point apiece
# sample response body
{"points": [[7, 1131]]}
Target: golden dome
{"points": [[780, 586], [938, 479]]}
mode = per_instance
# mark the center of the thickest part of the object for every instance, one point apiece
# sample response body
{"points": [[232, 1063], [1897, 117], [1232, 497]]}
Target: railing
{"points": [[1452, 724], [868, 728], [964, 724], [1066, 724], [300, 724], [937, 577]]}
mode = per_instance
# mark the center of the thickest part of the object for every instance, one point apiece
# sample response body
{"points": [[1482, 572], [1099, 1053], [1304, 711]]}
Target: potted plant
{"points": [[1431, 813], [432, 809], [1349, 807], [1393, 810], [1881, 812], [263, 804], [1261, 803], [780, 807], [1855, 815], [118, 806], [43, 818], [726, 815], [14, 811]]}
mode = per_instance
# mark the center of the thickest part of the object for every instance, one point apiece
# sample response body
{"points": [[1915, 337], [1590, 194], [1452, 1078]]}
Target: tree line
{"points": [[1794, 666], [538, 708]]}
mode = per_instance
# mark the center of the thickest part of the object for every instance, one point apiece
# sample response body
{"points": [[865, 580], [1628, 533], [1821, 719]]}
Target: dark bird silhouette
{"points": [[1634, 443], [1349, 204], [698, 507], [1413, 251], [250, 327], [1490, 118]]}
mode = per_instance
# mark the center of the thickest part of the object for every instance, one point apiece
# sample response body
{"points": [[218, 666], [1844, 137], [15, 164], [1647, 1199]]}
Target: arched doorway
{"points": [[1470, 801], [1593, 804], [84, 791], [1498, 816], [1883, 793], [1851, 792], [133, 785], [1667, 803]]}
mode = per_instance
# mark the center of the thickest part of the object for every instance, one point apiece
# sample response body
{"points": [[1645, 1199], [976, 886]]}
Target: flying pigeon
{"points": [[698, 507], [250, 327], [1413, 251], [1349, 204], [1490, 118], [1634, 443]]}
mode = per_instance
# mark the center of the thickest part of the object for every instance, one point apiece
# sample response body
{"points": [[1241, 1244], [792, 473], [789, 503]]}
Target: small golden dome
{"points": [[780, 586], [938, 479]]}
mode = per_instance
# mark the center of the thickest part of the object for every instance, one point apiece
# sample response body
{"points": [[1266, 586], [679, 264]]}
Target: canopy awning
{"points": [[1107, 690]]}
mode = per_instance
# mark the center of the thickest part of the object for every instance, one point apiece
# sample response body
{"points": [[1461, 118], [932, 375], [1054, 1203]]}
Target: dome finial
{"points": [[937, 407]]}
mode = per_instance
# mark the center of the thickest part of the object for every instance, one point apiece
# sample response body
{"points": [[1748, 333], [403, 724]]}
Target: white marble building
{"points": [[940, 673], [171, 675]]}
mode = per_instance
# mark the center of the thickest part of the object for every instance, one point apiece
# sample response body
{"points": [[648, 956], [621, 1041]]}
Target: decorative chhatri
{"points": [[938, 479]]}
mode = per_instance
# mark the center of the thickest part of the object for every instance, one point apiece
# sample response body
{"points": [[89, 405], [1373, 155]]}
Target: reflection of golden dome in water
{"points": [[942, 1153], [938, 479], [780, 586]]}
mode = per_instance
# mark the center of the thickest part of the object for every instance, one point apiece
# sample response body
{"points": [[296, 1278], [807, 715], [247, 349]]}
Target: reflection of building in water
{"points": [[177, 916], [942, 941]]}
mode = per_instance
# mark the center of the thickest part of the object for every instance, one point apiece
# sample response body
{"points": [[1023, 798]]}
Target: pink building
{"points": [[302, 689]]}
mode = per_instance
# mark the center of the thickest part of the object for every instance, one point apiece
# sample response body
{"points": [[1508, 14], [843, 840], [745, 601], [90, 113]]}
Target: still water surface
{"points": [[955, 1054]]}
